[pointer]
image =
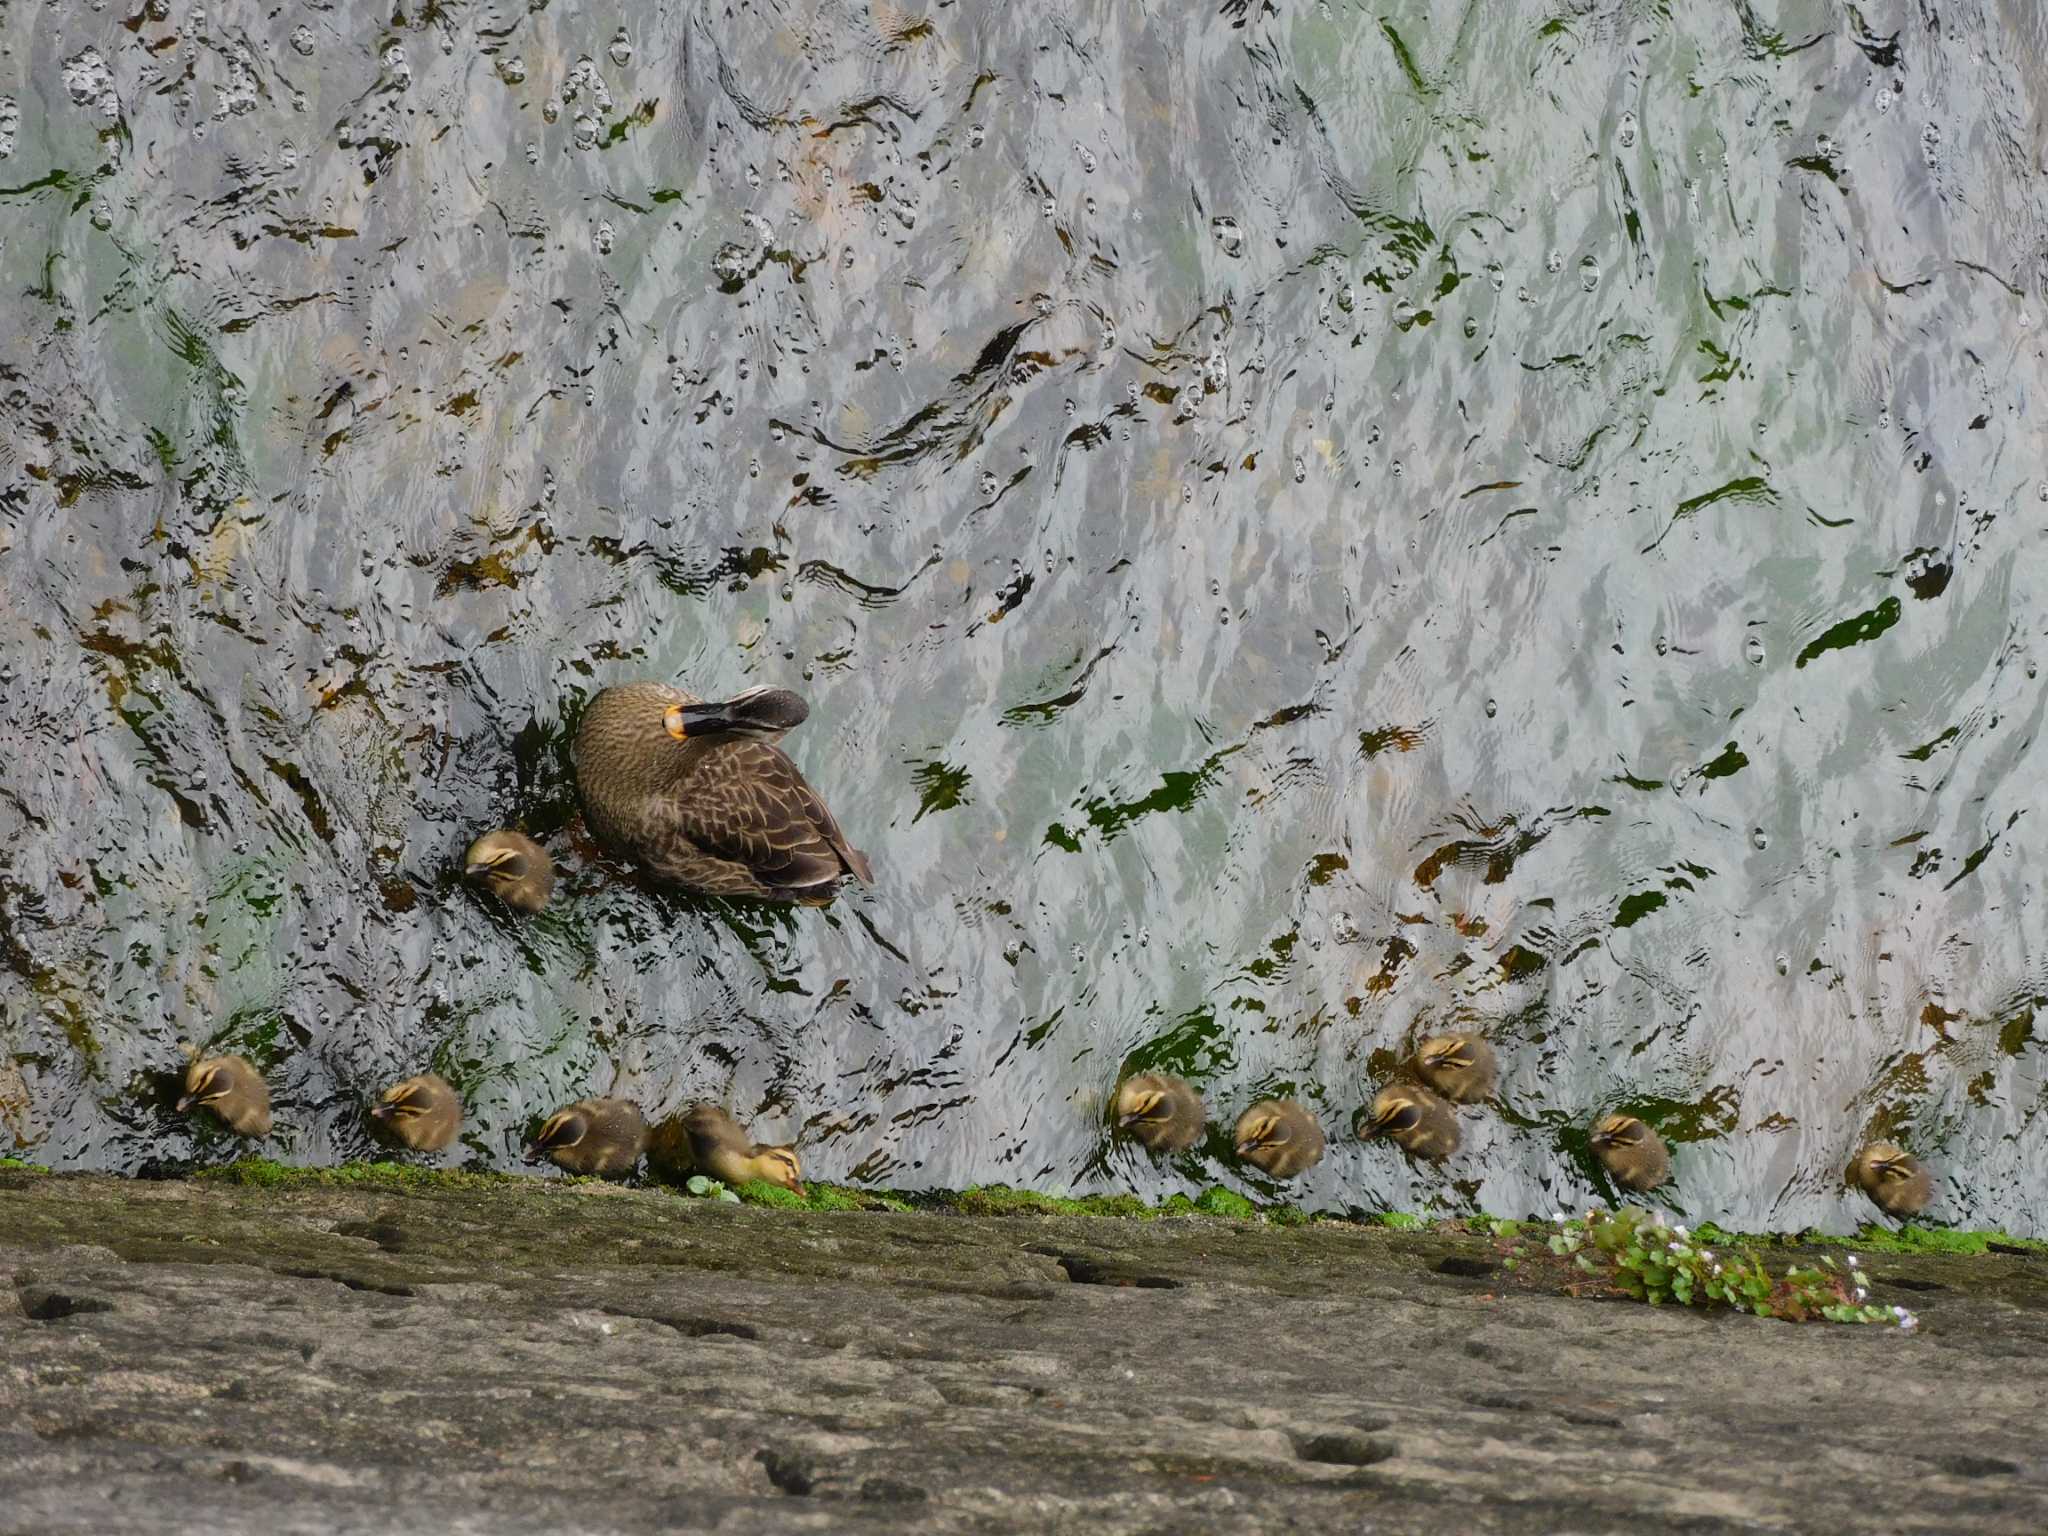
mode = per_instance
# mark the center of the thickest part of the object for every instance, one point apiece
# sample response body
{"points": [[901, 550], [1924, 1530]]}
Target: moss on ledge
{"points": [[262, 1173], [1216, 1203]]}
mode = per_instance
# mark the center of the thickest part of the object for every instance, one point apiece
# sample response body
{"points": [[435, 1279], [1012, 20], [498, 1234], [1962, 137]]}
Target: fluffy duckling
{"points": [[601, 1136], [707, 1139], [1461, 1068], [512, 867], [423, 1112], [1634, 1155], [1898, 1181], [1416, 1120], [1162, 1111], [233, 1089], [1279, 1137], [700, 796]]}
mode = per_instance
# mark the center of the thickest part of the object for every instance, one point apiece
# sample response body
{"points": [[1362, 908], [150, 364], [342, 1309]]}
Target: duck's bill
{"points": [[186, 1103], [685, 721]]}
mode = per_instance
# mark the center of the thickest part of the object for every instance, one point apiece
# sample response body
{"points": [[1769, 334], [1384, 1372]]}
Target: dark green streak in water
{"points": [[1865, 626]]}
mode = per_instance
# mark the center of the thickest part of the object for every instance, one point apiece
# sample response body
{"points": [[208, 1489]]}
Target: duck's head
{"points": [[763, 714], [1620, 1131], [206, 1082], [1450, 1052], [563, 1130], [1394, 1112], [496, 860], [779, 1165], [1266, 1128], [1140, 1102], [405, 1101]]}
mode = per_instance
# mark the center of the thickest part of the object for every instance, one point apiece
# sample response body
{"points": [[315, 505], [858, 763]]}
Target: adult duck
{"points": [[699, 795]]}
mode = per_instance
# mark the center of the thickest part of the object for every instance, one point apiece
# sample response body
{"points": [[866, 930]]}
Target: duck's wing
{"points": [[747, 804]]}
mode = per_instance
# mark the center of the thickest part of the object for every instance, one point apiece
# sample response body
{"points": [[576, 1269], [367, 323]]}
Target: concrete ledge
{"points": [[485, 1355]]}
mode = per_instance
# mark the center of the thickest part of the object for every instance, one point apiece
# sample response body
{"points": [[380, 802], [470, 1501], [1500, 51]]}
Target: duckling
{"points": [[1462, 1068], [1898, 1181], [232, 1089], [1633, 1154], [423, 1112], [512, 867], [601, 1136], [1420, 1123], [701, 797], [1279, 1137], [1162, 1111], [707, 1139]]}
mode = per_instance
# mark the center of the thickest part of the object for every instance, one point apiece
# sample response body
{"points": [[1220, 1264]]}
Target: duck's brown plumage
{"points": [[1163, 1111], [707, 1140], [512, 867], [600, 1136], [1416, 1120], [423, 1112], [727, 814], [1634, 1155], [1898, 1181], [1461, 1067], [233, 1089], [1279, 1137]]}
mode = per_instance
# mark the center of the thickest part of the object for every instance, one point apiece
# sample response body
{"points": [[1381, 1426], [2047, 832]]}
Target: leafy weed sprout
{"points": [[1635, 1253]]}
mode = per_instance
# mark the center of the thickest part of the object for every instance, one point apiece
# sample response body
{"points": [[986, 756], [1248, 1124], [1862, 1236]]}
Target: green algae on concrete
{"points": [[262, 1173]]}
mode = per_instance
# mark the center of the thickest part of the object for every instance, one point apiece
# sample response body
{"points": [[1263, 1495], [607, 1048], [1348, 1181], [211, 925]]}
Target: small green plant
{"points": [[1635, 1253], [708, 1189]]}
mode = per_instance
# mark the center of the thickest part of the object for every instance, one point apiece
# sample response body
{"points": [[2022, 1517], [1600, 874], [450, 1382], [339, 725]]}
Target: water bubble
{"points": [[532, 153], [1492, 708], [393, 59], [1229, 234], [511, 69], [1662, 646], [102, 215], [1300, 470], [10, 124], [1395, 466], [1784, 964], [621, 49], [1496, 276], [1553, 261], [341, 133], [1930, 145], [1626, 134], [551, 109], [988, 483], [1049, 208], [584, 80], [1087, 158], [1589, 274], [976, 136], [604, 237], [1759, 838], [302, 41], [585, 131], [754, 473], [90, 83], [733, 262], [1753, 649]]}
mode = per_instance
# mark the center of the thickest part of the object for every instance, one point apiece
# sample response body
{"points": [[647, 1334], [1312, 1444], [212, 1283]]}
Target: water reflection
{"points": [[1299, 530]]}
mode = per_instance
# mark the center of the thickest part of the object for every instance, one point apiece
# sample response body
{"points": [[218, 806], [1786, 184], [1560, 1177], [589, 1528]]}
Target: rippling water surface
{"points": [[1299, 525]]}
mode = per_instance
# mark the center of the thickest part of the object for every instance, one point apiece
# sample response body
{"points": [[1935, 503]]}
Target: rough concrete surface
{"points": [[190, 1357]]}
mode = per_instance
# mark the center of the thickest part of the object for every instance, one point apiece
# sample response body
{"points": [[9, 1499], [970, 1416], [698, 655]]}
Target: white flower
{"points": [[1559, 1217], [1852, 1261], [1680, 1231], [1707, 1255], [1862, 1293]]}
